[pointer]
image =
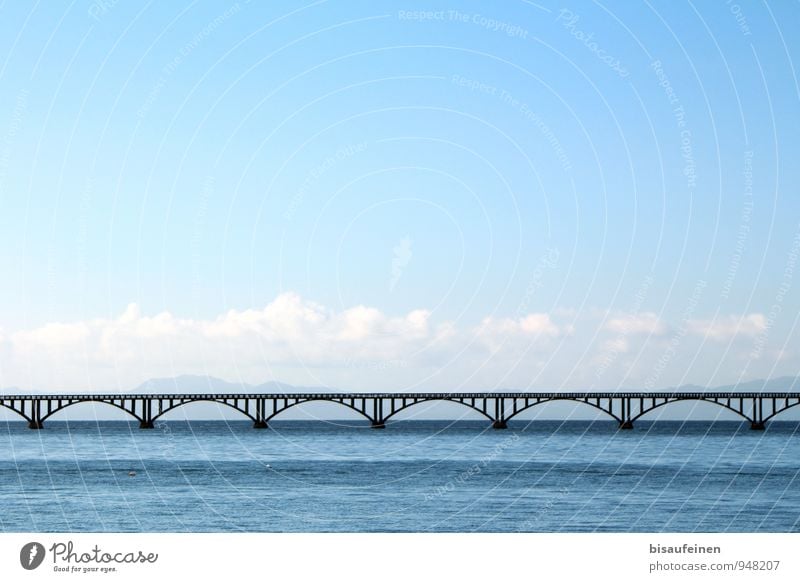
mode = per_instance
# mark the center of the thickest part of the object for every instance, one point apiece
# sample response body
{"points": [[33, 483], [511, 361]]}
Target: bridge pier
{"points": [[35, 421], [626, 425], [757, 425], [147, 414], [377, 413], [260, 424], [500, 424]]}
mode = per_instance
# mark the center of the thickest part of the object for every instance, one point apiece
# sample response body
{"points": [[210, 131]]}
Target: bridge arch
{"points": [[22, 414], [453, 400], [781, 411], [177, 405], [327, 400], [678, 400], [575, 400], [69, 404]]}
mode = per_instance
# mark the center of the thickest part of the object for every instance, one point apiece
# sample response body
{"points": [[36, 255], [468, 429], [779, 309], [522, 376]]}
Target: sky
{"points": [[399, 195]]}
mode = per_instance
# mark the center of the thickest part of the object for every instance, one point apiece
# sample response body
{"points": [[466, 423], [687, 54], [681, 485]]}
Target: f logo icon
{"points": [[31, 555]]}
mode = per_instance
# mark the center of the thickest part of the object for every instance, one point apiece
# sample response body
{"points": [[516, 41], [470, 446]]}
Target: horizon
{"points": [[273, 382], [437, 409], [379, 197]]}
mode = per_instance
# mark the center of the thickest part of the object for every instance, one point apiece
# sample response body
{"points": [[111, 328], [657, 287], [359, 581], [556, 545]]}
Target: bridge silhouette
{"points": [[498, 407]]}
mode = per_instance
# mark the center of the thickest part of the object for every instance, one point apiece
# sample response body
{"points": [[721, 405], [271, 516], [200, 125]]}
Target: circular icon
{"points": [[31, 555]]}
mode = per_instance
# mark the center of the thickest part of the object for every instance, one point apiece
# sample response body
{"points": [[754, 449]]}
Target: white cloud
{"points": [[52, 336], [511, 334], [533, 324], [288, 332], [361, 347], [644, 323], [618, 345], [727, 328]]}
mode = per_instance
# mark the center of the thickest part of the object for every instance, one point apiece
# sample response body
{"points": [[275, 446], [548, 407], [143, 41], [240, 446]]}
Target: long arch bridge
{"points": [[498, 407]]}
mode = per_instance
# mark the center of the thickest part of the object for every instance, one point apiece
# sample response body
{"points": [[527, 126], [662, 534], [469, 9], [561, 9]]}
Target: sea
{"points": [[413, 476]]}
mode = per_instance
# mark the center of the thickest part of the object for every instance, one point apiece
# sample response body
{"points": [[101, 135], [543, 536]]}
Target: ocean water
{"points": [[415, 476]]}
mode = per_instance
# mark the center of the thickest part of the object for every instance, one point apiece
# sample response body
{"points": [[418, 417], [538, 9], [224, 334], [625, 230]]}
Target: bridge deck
{"points": [[378, 407], [387, 395]]}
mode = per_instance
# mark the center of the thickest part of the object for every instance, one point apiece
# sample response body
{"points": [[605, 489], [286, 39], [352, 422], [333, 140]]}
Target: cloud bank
{"points": [[299, 341]]}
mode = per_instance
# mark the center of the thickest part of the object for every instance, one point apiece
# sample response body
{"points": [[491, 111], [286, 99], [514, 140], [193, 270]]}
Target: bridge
{"points": [[498, 407]]}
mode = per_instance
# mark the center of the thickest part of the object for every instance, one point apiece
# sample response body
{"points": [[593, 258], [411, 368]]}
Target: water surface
{"points": [[413, 476]]}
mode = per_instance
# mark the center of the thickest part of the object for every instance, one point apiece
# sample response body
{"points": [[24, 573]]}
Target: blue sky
{"points": [[398, 195]]}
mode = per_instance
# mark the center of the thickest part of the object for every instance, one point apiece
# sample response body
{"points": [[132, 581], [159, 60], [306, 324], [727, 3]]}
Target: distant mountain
{"points": [[782, 384], [282, 388], [187, 384], [209, 384], [191, 384], [435, 410]]}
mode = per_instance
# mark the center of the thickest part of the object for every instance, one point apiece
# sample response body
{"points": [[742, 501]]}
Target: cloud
{"points": [[288, 332], [302, 342], [52, 336], [644, 323], [618, 345], [497, 334], [533, 324], [727, 328]]}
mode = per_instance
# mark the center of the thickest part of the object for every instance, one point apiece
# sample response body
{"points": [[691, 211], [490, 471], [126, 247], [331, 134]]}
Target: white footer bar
{"points": [[400, 557]]}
